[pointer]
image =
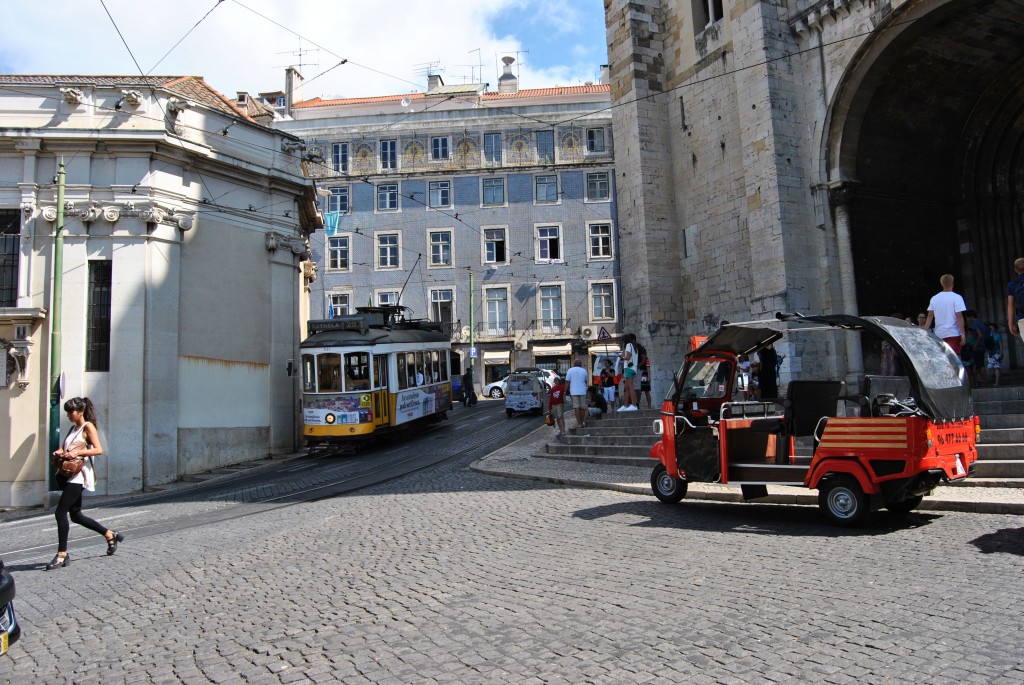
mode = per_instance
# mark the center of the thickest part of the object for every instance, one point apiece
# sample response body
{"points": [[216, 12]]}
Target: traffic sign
{"points": [[604, 334]]}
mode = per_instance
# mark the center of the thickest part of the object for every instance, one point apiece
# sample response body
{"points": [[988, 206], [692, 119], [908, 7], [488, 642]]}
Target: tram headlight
{"points": [[329, 419]]}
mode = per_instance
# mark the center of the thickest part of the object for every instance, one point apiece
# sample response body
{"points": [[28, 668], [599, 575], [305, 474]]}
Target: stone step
{"points": [[1001, 421], [997, 394], [993, 408], [648, 439], [597, 449], [599, 460], [999, 468], [1001, 436], [1000, 452]]}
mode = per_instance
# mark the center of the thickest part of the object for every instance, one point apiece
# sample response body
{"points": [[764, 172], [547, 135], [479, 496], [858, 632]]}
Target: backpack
{"points": [[641, 355], [1017, 290]]}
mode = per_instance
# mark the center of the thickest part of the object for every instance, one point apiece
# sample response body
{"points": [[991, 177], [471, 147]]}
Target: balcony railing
{"points": [[551, 327], [496, 329], [453, 329]]}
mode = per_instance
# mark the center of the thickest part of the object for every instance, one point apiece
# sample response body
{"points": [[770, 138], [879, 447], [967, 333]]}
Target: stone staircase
{"points": [[625, 439]]}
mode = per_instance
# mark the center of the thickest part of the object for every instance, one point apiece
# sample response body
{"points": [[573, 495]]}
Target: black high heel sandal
{"points": [[59, 561], [112, 542]]}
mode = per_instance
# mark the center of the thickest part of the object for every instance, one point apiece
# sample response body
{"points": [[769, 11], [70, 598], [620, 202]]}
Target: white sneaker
{"points": [[631, 407], [623, 408]]}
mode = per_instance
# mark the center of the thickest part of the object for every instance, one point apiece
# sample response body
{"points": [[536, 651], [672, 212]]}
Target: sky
{"points": [[245, 45]]}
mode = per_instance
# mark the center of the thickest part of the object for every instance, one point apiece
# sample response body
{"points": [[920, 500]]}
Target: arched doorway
{"points": [[932, 138]]}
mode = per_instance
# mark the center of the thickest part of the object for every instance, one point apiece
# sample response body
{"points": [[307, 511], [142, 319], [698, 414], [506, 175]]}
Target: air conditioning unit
{"points": [[520, 345], [588, 334]]}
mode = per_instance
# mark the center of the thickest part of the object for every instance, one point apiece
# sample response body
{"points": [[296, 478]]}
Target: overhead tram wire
{"points": [[187, 33]]}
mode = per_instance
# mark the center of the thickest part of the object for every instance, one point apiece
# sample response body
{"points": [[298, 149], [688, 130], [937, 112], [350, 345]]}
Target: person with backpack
{"points": [[1015, 300]]}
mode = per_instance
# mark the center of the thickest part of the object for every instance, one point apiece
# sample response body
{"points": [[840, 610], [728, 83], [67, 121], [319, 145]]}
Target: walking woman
{"points": [[82, 441]]}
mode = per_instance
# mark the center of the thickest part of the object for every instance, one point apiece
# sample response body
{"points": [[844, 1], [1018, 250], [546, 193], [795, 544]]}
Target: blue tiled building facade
{"points": [[492, 213]]}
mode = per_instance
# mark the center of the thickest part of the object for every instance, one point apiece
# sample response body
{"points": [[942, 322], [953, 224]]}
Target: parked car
{"points": [[496, 389], [10, 631], [546, 375]]}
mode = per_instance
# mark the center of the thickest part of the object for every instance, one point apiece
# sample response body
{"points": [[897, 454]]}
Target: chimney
{"points": [[292, 89], [242, 97], [434, 82], [507, 82], [605, 74]]}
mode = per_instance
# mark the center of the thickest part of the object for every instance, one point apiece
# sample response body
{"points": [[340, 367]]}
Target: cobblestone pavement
{"points": [[452, 576]]}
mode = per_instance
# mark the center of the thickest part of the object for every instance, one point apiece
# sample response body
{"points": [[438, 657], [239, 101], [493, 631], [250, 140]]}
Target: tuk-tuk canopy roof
{"points": [[936, 375]]}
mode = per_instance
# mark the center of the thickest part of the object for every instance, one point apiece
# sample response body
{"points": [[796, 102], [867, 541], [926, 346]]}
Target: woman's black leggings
{"points": [[71, 504]]}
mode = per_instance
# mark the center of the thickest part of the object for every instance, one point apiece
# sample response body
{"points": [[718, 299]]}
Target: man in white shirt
{"points": [[947, 310], [578, 380]]}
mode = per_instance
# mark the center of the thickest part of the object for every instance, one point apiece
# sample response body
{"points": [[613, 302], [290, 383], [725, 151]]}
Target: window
{"points": [[597, 186], [340, 305], [546, 188], [600, 236], [440, 194], [497, 311], [338, 201], [387, 251], [280, 101], [388, 154], [97, 344], [551, 308], [339, 157], [494, 246], [595, 140], [337, 253], [387, 298], [546, 147], [494, 191], [439, 148], [441, 306], [441, 248], [357, 371], [547, 243], [492, 148], [10, 249], [602, 299], [328, 366], [387, 197], [706, 13]]}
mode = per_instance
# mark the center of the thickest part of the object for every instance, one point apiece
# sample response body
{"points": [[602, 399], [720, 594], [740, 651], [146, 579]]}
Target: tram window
{"points": [[435, 368], [420, 376], [329, 376], [444, 365], [403, 371], [308, 373], [380, 371], [357, 371]]}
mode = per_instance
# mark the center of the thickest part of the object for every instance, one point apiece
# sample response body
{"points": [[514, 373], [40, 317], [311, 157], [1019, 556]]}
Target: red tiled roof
{"points": [[545, 92], [320, 102], [193, 88], [525, 93]]}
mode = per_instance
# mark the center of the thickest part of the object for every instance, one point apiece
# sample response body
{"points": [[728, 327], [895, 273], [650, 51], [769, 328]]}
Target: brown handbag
{"points": [[67, 467]]}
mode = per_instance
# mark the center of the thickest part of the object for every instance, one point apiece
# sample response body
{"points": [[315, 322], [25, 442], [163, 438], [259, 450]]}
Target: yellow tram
{"points": [[370, 372]]}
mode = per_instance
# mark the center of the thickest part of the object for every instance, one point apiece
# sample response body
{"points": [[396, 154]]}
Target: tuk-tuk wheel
{"points": [[905, 506], [668, 489], [842, 499]]}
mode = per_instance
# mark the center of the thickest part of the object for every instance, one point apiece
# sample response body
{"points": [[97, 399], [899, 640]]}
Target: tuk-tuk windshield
{"points": [[937, 366], [705, 378]]}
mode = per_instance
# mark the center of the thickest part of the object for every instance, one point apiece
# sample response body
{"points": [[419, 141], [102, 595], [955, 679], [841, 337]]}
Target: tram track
{"points": [[420, 460]]}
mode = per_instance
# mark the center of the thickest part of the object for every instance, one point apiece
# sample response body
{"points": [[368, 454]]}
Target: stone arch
{"points": [[926, 136]]}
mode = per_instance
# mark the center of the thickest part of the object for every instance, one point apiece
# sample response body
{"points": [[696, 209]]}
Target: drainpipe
{"points": [[55, 326]]}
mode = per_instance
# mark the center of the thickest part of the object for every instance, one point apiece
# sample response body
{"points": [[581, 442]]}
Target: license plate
{"points": [[960, 466], [3, 643]]}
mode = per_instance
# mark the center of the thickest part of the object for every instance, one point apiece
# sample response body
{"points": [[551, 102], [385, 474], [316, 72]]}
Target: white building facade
{"points": [[184, 237]]}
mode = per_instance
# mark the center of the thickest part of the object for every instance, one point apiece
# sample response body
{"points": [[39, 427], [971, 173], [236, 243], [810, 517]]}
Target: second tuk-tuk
{"points": [[886, 444], [524, 392]]}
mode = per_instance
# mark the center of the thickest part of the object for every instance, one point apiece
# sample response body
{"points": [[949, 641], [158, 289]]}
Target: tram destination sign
{"points": [[341, 323]]}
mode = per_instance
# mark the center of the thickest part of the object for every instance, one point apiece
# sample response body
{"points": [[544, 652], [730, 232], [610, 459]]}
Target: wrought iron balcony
{"points": [[496, 329], [551, 327]]}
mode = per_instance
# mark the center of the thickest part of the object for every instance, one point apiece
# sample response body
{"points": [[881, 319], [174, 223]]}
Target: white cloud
{"points": [[236, 49]]}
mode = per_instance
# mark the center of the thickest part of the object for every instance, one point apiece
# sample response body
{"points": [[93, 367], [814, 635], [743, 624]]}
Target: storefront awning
{"points": [[491, 357], [552, 350]]}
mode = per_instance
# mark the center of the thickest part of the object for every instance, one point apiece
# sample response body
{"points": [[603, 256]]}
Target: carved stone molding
{"points": [[184, 221], [28, 209], [49, 213], [276, 241], [72, 96], [89, 214], [309, 271], [133, 98], [111, 214]]}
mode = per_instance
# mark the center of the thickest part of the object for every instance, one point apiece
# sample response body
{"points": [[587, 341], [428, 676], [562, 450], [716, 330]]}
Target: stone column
{"points": [[840, 195]]}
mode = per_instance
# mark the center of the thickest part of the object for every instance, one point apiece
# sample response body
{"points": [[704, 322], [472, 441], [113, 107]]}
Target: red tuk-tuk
{"points": [[886, 444]]}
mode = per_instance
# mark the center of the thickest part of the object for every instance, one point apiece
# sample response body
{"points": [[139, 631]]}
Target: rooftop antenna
{"points": [[480, 63], [424, 69], [300, 53]]}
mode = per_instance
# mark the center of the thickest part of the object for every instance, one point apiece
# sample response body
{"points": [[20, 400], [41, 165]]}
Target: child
{"points": [[608, 382], [556, 404], [994, 352]]}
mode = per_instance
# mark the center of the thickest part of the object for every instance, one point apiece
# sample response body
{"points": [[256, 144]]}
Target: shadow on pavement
{"points": [[1005, 540], [758, 519]]}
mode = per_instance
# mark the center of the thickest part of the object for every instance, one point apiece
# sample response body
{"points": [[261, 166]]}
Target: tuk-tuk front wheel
{"points": [[843, 500], [667, 488]]}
